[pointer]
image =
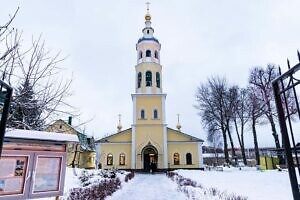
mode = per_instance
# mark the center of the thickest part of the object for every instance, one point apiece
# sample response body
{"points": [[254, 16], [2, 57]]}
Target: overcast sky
{"points": [[199, 39]]}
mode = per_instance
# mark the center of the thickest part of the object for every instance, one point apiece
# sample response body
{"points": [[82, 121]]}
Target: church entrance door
{"points": [[150, 157]]}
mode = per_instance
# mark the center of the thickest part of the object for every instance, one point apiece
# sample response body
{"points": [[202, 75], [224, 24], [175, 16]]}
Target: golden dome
{"points": [[178, 127], [147, 17], [119, 127]]}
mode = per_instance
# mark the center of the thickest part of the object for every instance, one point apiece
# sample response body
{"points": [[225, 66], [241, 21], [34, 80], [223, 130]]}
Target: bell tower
{"points": [[148, 68], [149, 123]]}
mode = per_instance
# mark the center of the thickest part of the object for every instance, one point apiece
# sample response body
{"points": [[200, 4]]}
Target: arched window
{"points": [[142, 114], [139, 79], [156, 54], [140, 54], [110, 159], [122, 159], [188, 158], [158, 79], [147, 31], [148, 53], [176, 159], [155, 114], [148, 79]]}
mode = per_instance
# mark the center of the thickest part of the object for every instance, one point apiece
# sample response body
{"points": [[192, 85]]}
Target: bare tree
{"points": [[210, 103], [9, 43], [41, 90], [6, 31], [229, 101], [241, 117], [255, 111], [261, 80]]}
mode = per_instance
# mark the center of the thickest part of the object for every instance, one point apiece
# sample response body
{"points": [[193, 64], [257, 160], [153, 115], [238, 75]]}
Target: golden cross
{"points": [[148, 3], [119, 118]]}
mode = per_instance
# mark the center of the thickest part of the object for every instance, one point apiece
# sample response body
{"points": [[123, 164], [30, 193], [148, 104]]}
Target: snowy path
{"points": [[148, 187]]}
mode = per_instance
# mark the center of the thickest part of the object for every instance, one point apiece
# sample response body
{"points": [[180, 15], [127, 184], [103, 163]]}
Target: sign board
{"points": [[33, 164]]}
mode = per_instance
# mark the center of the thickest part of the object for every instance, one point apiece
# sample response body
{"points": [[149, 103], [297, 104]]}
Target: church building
{"points": [[149, 141]]}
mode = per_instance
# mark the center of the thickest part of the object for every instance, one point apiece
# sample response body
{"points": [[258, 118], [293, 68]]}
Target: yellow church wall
{"points": [[154, 67], [144, 135], [174, 135], [183, 149], [115, 149], [121, 137], [143, 46], [143, 67], [148, 103], [148, 45]]}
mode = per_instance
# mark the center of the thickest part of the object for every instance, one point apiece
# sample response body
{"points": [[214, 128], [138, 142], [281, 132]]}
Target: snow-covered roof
{"points": [[40, 135]]}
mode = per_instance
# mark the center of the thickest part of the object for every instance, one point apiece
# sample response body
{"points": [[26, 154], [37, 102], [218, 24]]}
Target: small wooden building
{"points": [[82, 154]]}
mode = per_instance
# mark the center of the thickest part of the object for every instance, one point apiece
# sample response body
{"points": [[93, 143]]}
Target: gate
{"points": [[285, 92]]}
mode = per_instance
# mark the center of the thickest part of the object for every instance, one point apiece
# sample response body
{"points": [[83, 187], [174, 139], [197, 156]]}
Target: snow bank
{"points": [[194, 190], [255, 184]]}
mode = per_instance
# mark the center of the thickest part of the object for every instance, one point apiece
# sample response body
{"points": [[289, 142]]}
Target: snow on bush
{"points": [[194, 190], [129, 176], [96, 191], [88, 177], [98, 184]]}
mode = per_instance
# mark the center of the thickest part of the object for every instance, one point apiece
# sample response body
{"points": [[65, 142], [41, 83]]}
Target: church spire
{"points": [[148, 30], [119, 127], [148, 16], [178, 123], [148, 68]]}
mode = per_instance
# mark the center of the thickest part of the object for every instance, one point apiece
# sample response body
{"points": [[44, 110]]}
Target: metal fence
{"points": [[285, 92]]}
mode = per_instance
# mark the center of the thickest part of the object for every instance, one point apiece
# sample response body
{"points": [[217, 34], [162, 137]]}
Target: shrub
{"points": [[171, 174], [236, 197], [96, 191], [97, 184], [84, 177], [213, 191], [129, 176]]}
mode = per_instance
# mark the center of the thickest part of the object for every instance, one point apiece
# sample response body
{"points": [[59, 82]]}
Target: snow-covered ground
{"points": [[149, 187], [249, 182], [72, 181]]}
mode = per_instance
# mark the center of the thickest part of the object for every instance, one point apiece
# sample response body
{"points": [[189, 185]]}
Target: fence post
{"points": [[286, 142]]}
